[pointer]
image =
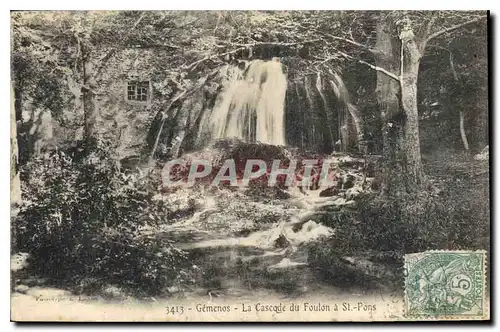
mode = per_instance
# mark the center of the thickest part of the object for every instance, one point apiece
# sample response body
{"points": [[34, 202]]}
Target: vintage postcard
{"points": [[249, 166]]}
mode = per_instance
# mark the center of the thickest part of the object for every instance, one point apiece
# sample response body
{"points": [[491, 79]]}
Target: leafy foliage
{"points": [[452, 216], [86, 220]]}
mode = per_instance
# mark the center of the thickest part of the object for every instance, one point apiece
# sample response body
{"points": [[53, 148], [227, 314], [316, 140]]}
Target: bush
{"points": [[84, 221], [384, 229], [456, 219], [407, 224]]}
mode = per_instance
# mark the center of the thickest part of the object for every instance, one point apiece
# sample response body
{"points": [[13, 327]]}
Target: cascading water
{"points": [[251, 105]]}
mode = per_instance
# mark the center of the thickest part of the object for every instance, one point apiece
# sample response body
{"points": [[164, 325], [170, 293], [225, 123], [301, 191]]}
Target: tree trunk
{"points": [[15, 182], [397, 100], [461, 113], [89, 92], [410, 62], [387, 92], [462, 131]]}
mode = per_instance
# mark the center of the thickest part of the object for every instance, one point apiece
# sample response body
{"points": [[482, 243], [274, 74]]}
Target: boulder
{"points": [[328, 192], [281, 242]]}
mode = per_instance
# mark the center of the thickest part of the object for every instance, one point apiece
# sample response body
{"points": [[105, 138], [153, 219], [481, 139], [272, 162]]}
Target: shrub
{"points": [[383, 229], [85, 220], [407, 224]]}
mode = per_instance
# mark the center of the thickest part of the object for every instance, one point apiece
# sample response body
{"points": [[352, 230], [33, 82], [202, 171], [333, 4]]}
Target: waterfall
{"points": [[251, 105]]}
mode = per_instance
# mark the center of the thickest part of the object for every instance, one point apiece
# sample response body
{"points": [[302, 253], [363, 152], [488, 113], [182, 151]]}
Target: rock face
{"points": [[148, 108], [124, 117], [172, 120], [347, 175], [331, 191]]}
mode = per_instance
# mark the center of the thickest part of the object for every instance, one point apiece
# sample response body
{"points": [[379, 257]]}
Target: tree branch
{"points": [[112, 51], [87, 88], [242, 47], [78, 51], [159, 46], [193, 65], [453, 27], [352, 42], [452, 66], [380, 69], [104, 60], [427, 28], [138, 21], [278, 44]]}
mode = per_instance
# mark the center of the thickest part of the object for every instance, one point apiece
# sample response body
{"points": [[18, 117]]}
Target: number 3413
{"points": [[174, 310]]}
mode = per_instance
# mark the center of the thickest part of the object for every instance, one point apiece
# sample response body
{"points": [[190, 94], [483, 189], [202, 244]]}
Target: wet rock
{"points": [[310, 231], [21, 289], [19, 261], [309, 226], [353, 193], [286, 263], [348, 161], [173, 289], [281, 242], [368, 182], [375, 185], [281, 194], [349, 181], [130, 162], [343, 202], [370, 170], [328, 192], [113, 292], [244, 232]]}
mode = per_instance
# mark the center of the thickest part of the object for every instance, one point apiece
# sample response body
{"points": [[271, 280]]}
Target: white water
{"points": [[251, 105]]}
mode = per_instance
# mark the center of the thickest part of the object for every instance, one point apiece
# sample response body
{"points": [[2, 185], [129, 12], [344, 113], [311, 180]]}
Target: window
{"points": [[137, 91]]}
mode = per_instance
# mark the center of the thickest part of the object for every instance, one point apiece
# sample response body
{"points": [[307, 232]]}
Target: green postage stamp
{"points": [[441, 284]]}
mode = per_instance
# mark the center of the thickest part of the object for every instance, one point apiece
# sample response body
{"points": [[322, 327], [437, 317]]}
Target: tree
{"points": [[15, 182], [403, 142], [462, 80], [398, 46]]}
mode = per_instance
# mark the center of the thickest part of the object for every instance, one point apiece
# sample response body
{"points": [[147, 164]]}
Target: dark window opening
{"points": [[137, 91]]}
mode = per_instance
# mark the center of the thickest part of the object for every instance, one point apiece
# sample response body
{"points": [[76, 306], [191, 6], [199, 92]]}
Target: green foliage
{"points": [[86, 220]]}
